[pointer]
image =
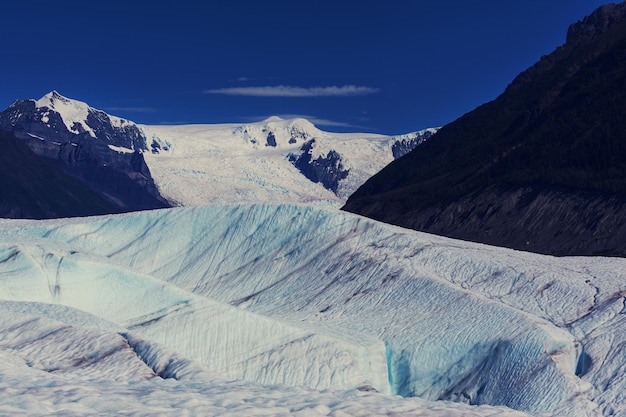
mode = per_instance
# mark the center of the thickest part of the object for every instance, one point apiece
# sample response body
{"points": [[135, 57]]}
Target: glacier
{"points": [[230, 341], [86, 372], [255, 162], [57, 360], [300, 295]]}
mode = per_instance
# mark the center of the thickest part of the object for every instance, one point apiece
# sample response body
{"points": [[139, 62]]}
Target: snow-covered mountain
{"points": [[102, 151], [283, 308], [268, 161], [304, 296], [274, 160], [71, 120]]}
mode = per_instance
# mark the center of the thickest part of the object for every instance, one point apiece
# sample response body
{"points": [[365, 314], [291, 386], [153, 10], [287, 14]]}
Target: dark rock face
{"points": [[271, 139], [155, 147], [531, 218], [127, 135], [404, 146], [158, 145], [325, 170], [34, 187], [601, 20], [122, 178], [534, 169], [296, 134]]}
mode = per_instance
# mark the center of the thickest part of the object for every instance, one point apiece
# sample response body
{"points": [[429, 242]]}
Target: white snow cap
{"points": [[74, 113], [274, 119]]}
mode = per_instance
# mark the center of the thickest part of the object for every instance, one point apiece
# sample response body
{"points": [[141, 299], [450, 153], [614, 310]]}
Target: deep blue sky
{"points": [[389, 66]]}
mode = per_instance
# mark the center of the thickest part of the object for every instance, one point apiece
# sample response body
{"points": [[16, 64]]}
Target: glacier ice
{"points": [[56, 360], [401, 311], [231, 342]]}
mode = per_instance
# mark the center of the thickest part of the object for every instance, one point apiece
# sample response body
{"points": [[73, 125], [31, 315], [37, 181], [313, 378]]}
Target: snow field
{"points": [[230, 163]]}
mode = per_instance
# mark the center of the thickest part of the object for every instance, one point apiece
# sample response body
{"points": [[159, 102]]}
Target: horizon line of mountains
{"points": [[541, 168], [89, 162]]}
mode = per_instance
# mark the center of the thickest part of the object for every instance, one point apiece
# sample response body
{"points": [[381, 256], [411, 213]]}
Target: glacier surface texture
{"points": [[286, 300]]}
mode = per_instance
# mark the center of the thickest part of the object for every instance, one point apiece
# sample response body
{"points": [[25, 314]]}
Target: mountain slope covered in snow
{"points": [[332, 300], [274, 160]]}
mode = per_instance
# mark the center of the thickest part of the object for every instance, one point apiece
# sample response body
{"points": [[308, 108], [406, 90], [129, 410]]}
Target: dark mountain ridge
{"points": [[540, 168], [34, 187]]}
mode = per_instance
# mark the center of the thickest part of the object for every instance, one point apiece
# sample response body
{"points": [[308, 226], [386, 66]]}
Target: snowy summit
{"points": [[74, 113]]}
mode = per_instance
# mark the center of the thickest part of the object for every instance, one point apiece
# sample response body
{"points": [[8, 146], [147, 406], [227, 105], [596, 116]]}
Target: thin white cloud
{"points": [[291, 91], [317, 121], [133, 109]]}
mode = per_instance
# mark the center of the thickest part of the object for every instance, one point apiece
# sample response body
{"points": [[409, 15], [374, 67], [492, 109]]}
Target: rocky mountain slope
{"points": [[540, 168], [34, 187], [103, 152]]}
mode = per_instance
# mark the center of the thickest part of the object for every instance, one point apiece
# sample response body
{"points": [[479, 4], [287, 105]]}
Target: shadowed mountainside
{"points": [[540, 168], [33, 187]]}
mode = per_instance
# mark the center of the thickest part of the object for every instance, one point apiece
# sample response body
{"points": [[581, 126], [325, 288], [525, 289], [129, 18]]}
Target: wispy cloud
{"points": [[318, 121], [133, 109], [291, 91]]}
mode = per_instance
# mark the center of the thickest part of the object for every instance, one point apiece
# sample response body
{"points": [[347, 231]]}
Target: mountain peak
{"points": [[601, 20], [51, 99], [63, 105], [295, 125], [73, 113], [55, 95], [273, 119], [289, 120]]}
